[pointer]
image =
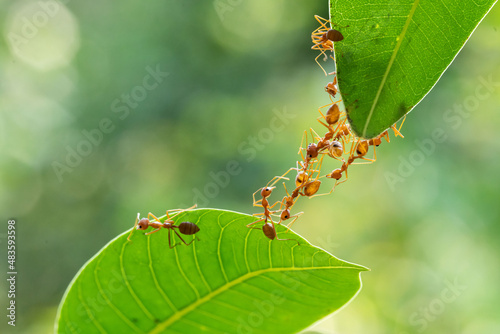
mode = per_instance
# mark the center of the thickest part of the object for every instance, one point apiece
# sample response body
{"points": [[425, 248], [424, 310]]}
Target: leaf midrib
{"points": [[389, 66], [181, 313]]}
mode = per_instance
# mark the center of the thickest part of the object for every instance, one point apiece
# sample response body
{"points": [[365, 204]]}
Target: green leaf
{"points": [[394, 52], [232, 280]]}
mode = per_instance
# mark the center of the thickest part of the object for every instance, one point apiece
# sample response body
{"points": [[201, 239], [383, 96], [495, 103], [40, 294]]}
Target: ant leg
{"points": [[328, 193], [314, 133], [317, 169], [346, 177], [324, 117], [256, 203], [322, 21], [180, 210], [283, 201], [255, 222], [353, 146], [317, 62], [135, 226], [374, 153], [370, 161], [153, 231], [277, 178], [276, 234], [154, 217], [385, 135], [397, 132], [302, 142], [169, 240], [401, 125], [297, 215], [272, 206], [318, 119], [187, 244]]}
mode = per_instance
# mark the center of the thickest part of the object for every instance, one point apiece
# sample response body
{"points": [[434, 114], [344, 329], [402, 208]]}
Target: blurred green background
{"points": [[232, 65]]}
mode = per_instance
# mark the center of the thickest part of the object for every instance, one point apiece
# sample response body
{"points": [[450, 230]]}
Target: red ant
{"points": [[288, 201], [332, 116], [337, 173], [332, 88], [268, 228], [323, 38], [186, 228]]}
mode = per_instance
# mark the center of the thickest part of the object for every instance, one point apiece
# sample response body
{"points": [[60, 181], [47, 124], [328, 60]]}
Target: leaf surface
{"points": [[394, 52], [232, 280]]}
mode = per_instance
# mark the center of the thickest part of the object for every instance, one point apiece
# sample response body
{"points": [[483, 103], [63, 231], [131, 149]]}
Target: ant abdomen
{"points": [[188, 228], [269, 231], [334, 35], [335, 149], [301, 178], [362, 147], [312, 188], [333, 114]]}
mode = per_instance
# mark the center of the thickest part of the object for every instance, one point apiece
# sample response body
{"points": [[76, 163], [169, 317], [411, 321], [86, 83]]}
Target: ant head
{"points": [[312, 150], [285, 214], [143, 224], [331, 88], [266, 191], [335, 174]]}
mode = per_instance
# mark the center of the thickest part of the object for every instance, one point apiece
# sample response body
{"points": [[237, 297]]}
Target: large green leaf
{"points": [[395, 51], [232, 280]]}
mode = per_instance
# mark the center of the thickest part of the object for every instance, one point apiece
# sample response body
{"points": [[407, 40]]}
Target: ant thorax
{"points": [[167, 225]]}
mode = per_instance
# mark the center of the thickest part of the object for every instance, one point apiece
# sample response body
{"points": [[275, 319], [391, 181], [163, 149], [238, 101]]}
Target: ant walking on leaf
{"points": [[185, 228]]}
